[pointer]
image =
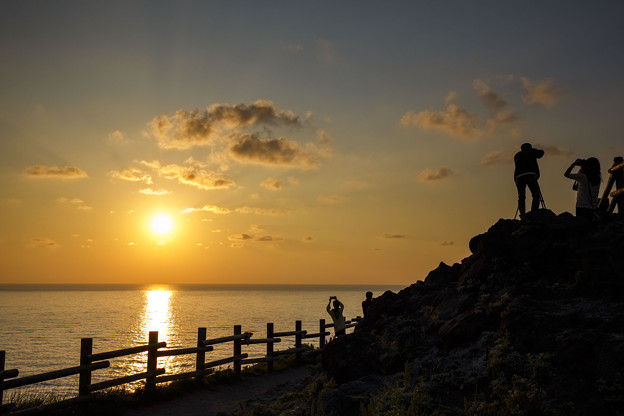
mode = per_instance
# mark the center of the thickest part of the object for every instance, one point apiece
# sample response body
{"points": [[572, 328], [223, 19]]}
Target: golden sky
{"points": [[287, 142]]}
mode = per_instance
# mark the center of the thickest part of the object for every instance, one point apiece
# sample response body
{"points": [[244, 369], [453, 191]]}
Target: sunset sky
{"points": [[287, 141]]}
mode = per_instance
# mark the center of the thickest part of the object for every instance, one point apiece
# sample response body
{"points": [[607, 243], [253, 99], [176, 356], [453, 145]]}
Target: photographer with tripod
{"points": [[526, 173], [586, 185]]}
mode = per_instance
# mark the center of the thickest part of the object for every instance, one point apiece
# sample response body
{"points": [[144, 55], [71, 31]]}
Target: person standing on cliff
{"points": [[587, 185], [526, 173], [337, 316], [366, 303]]}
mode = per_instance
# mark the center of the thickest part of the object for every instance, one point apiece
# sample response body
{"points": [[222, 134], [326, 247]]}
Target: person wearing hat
{"points": [[526, 173]]}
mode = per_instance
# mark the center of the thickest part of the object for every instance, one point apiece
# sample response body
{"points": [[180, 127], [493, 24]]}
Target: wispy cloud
{"points": [[551, 150], [154, 192], [447, 243], [131, 175], [428, 175], [326, 51], [55, 172], [43, 242], [462, 124], [452, 120], [544, 93], [117, 137], [393, 236], [213, 209], [506, 157], [192, 173], [498, 157], [500, 112], [272, 184], [74, 202]]}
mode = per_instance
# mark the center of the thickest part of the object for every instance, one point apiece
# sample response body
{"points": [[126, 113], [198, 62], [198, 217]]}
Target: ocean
{"points": [[41, 325]]}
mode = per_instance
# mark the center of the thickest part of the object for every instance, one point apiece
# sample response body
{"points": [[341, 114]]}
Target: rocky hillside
{"points": [[531, 323]]}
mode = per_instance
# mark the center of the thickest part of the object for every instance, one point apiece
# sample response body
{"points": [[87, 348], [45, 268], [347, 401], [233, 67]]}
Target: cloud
{"points": [[460, 123], [498, 157], [272, 184], [156, 192], [393, 236], [207, 208], [259, 211], [239, 237], [273, 152], [192, 173], [452, 120], [329, 199], [43, 242], [447, 243], [506, 157], [117, 137], [434, 174], [131, 175], [55, 172], [325, 51], [240, 210], [187, 129], [500, 112], [544, 93], [307, 239], [292, 48], [74, 202], [551, 150]]}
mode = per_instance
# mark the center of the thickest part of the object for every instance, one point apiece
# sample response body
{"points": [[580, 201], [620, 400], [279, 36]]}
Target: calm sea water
{"points": [[41, 325]]}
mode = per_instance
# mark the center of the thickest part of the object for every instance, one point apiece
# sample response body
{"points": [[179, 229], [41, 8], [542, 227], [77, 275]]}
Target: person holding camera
{"points": [[526, 173], [586, 185], [336, 315]]}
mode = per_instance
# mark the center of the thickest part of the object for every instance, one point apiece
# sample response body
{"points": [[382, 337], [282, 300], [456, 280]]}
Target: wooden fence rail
{"points": [[616, 177], [90, 362]]}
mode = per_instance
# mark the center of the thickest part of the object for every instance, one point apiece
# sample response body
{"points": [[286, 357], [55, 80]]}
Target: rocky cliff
{"points": [[531, 323]]}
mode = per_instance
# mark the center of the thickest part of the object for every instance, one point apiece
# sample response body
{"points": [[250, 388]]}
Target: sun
{"points": [[162, 224]]}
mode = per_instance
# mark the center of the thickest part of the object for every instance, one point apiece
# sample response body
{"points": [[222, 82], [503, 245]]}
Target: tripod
{"points": [[541, 205]]}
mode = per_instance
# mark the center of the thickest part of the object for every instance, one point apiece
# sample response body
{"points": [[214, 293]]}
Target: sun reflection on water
{"points": [[157, 314]]}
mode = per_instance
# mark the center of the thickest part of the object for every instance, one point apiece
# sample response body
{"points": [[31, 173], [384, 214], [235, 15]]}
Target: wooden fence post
{"points": [[201, 355], [2, 358], [152, 361], [618, 175], [322, 331], [84, 379], [269, 353], [237, 351], [298, 338]]}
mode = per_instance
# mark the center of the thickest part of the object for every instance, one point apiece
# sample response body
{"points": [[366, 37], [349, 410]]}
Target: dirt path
{"points": [[229, 399]]}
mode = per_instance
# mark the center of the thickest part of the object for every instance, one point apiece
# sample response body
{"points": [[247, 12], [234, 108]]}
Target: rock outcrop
{"points": [[531, 323]]}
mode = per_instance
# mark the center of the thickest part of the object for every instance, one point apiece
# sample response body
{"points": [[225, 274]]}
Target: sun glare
{"points": [[161, 224]]}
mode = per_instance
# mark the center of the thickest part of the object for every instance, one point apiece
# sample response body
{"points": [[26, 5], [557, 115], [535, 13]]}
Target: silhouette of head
{"points": [[526, 146], [369, 295], [591, 168], [336, 304]]}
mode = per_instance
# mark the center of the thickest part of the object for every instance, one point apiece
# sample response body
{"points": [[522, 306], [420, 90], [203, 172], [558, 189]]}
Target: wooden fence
{"points": [[616, 177], [90, 362]]}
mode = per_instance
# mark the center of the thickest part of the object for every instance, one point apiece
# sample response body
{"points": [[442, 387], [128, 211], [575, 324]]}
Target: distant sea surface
{"points": [[41, 325]]}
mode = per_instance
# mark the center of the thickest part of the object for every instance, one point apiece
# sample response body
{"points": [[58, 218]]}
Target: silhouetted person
{"points": [[526, 173], [366, 303], [587, 185], [336, 315]]}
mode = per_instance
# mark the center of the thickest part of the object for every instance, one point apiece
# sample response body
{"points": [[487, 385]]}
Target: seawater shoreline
{"points": [[41, 325]]}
